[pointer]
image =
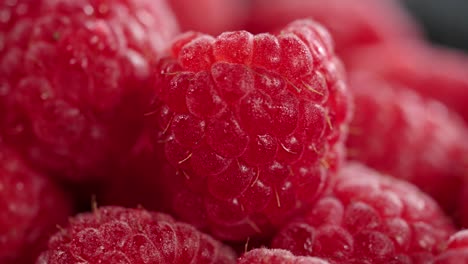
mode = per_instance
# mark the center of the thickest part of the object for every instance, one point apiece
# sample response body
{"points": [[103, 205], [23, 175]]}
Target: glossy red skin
{"points": [[74, 75]]}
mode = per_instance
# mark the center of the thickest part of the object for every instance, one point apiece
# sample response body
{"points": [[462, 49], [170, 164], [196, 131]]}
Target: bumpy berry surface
{"points": [[369, 218], [30, 208], [456, 251], [351, 23], [433, 72], [398, 132], [132, 236], [250, 126], [211, 16], [72, 74], [276, 256]]}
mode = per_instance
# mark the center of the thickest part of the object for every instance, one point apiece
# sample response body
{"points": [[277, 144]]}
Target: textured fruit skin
{"points": [[368, 218], [249, 129], [276, 256], [211, 16], [132, 236], [352, 24], [30, 208], [396, 131], [435, 72], [73, 75], [456, 251]]}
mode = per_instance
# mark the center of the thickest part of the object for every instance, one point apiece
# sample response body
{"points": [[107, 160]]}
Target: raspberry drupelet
{"points": [[368, 218], [276, 256], [112, 234], [72, 78], [31, 206], [248, 128], [399, 132], [456, 251]]}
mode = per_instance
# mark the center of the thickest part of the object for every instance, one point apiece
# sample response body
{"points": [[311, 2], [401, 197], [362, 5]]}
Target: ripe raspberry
{"points": [[276, 256], [433, 72], [456, 251], [250, 126], [368, 218], [211, 16], [400, 133], [72, 76], [351, 23], [30, 208], [132, 236]]}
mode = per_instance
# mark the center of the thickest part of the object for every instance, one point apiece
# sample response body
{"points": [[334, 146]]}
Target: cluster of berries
{"points": [[223, 131]]}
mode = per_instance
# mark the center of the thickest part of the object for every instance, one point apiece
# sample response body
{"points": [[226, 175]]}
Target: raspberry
{"points": [[352, 23], [211, 16], [456, 251], [276, 256], [73, 74], [434, 72], [250, 127], [368, 218], [30, 208], [398, 132], [132, 236]]}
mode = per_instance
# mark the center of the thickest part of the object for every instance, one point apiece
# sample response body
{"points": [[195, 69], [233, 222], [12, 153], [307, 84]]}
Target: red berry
{"points": [[251, 125], [456, 251], [398, 132], [433, 72], [31, 206], [276, 256], [351, 23], [132, 236], [210, 16], [368, 218], [73, 74]]}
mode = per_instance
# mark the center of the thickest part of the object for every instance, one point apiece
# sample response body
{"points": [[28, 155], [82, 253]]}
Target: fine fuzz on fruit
{"points": [[276, 256], [72, 76], [113, 234], [248, 128], [396, 131], [434, 72], [456, 251], [31, 207], [351, 23], [368, 218]]}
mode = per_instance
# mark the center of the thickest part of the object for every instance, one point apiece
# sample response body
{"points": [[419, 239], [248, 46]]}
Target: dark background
{"points": [[445, 21]]}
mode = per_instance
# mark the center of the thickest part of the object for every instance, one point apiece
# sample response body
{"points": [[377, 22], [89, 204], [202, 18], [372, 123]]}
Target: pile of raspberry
{"points": [[222, 131]]}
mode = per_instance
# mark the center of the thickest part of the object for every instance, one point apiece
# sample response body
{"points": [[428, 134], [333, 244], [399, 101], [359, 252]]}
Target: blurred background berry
{"points": [[445, 22]]}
